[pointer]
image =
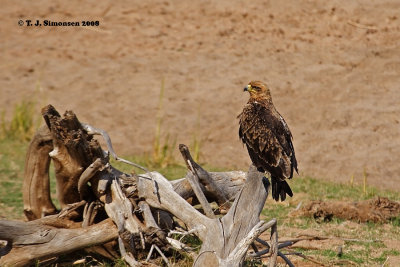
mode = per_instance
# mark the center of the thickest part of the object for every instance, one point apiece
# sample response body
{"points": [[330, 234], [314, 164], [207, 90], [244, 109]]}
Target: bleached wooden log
{"points": [[237, 223], [170, 201], [36, 186], [34, 241]]}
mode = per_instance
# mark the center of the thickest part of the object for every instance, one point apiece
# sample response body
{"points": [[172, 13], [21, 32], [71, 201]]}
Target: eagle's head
{"points": [[258, 90]]}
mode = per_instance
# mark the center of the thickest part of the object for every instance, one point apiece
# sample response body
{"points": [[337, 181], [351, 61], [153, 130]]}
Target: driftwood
{"points": [[103, 208], [36, 241]]}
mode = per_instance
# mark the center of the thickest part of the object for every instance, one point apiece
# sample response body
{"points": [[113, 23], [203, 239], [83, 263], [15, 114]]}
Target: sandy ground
{"points": [[333, 68]]}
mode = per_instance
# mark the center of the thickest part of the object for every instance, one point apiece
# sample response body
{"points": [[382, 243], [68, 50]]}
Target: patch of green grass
{"points": [[391, 252], [163, 148], [395, 221], [195, 148], [328, 253], [196, 140], [164, 145], [194, 241], [364, 255], [317, 189], [22, 124], [12, 160], [119, 263], [360, 256], [331, 255]]}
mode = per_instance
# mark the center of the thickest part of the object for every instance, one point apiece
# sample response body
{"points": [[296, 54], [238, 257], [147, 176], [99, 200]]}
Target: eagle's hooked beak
{"points": [[247, 88]]}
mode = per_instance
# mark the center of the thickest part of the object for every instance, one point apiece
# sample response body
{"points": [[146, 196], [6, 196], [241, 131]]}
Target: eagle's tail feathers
{"points": [[280, 189]]}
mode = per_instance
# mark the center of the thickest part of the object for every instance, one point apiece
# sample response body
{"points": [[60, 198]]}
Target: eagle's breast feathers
{"points": [[268, 139]]}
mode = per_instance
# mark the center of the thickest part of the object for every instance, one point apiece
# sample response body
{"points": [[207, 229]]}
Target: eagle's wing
{"points": [[286, 142], [268, 139]]}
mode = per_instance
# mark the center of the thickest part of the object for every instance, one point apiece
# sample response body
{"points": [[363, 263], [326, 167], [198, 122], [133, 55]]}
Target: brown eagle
{"points": [[268, 139]]}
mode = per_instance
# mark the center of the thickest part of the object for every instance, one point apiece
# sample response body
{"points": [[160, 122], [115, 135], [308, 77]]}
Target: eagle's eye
{"points": [[256, 88]]}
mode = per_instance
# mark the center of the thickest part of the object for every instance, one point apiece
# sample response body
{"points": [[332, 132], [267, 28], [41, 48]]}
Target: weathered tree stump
{"points": [[36, 186], [101, 204]]}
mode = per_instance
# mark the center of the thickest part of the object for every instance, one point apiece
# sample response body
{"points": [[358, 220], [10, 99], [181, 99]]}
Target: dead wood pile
{"points": [[115, 214]]}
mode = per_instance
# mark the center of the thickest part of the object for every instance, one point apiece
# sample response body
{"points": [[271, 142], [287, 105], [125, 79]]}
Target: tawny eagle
{"points": [[268, 139]]}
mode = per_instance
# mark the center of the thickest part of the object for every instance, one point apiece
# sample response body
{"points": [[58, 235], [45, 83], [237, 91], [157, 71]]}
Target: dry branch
{"points": [[194, 182], [204, 177], [87, 175]]}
